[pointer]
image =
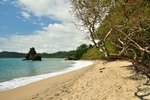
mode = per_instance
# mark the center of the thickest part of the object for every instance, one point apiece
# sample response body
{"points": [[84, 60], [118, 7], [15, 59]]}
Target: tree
{"points": [[130, 22], [81, 50], [91, 13]]}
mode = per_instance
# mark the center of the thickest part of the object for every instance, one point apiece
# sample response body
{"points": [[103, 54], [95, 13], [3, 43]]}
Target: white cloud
{"points": [[54, 9], [25, 15], [54, 37]]}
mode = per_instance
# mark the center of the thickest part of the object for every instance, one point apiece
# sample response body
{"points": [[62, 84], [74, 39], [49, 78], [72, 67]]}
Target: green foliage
{"points": [[102, 30], [92, 53], [111, 48], [81, 50], [61, 54]]}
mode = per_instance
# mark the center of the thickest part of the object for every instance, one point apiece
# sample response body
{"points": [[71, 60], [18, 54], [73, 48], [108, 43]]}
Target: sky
{"points": [[46, 25]]}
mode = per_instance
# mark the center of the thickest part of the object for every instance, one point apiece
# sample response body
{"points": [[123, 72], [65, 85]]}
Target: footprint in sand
{"points": [[57, 94], [101, 70], [35, 96]]}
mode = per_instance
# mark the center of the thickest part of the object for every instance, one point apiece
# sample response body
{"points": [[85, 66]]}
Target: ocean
{"points": [[15, 73]]}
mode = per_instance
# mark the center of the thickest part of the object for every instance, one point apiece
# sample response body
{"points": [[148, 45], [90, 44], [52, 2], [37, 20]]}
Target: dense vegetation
{"points": [[92, 53], [121, 27], [81, 50], [124, 24], [62, 54]]}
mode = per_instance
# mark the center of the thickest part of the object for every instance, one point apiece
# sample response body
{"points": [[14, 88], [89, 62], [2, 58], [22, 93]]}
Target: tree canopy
{"points": [[81, 50]]}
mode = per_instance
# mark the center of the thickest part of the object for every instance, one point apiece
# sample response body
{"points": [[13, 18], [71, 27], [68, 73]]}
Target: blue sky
{"points": [[43, 24], [11, 21]]}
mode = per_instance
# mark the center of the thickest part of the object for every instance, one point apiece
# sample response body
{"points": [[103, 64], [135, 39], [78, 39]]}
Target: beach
{"points": [[102, 80]]}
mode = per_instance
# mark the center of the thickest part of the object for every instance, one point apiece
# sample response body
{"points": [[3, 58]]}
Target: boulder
{"points": [[32, 55], [36, 58]]}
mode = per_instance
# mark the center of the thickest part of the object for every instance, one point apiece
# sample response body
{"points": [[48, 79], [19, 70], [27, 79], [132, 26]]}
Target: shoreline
{"points": [[100, 81], [29, 90], [18, 82]]}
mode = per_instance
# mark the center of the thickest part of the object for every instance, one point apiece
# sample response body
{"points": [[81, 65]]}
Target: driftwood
{"points": [[141, 67]]}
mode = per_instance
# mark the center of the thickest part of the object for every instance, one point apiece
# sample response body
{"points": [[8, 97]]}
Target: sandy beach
{"points": [[101, 81]]}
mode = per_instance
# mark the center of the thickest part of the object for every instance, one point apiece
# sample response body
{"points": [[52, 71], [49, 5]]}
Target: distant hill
{"points": [[83, 51], [60, 54], [6, 54]]}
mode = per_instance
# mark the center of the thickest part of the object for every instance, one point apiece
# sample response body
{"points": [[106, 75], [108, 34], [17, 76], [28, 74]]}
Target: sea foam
{"points": [[17, 82]]}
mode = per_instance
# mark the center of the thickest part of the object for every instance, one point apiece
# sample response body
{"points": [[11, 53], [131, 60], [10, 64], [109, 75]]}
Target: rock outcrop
{"points": [[32, 55]]}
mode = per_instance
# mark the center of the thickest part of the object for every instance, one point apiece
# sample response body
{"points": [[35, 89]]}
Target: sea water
{"points": [[14, 72]]}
